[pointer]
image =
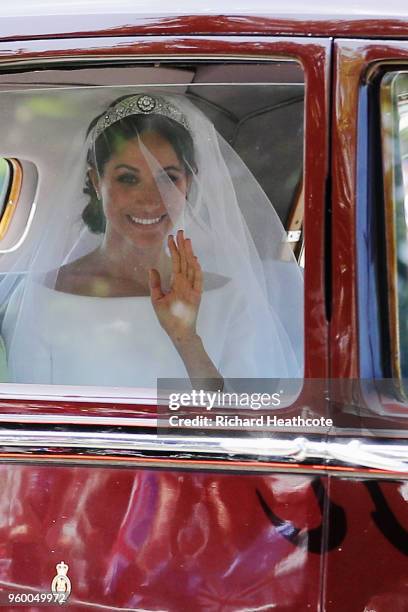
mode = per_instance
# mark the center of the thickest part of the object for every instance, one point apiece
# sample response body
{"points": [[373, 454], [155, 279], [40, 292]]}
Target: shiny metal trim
{"points": [[170, 57], [372, 70], [390, 457], [391, 244], [64, 419], [210, 464]]}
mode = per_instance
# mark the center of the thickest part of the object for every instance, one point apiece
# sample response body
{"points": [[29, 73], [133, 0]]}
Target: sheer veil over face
{"points": [[129, 190], [151, 183]]}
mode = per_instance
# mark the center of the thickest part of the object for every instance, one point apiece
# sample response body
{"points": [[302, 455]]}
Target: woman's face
{"points": [[143, 189]]}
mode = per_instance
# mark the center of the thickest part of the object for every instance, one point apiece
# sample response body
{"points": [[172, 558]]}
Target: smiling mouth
{"points": [[145, 221]]}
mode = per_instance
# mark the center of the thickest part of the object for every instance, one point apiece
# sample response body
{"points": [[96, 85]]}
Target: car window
{"points": [[395, 160], [167, 227]]}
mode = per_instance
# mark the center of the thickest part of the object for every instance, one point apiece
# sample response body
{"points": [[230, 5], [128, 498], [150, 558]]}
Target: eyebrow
{"points": [[134, 169]]}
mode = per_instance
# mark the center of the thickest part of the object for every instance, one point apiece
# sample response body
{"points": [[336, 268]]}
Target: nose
{"points": [[151, 195]]}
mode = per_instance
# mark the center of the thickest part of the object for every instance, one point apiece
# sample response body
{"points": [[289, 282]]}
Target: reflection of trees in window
{"points": [[401, 207]]}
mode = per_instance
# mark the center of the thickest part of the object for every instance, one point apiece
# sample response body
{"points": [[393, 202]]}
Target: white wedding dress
{"points": [[118, 342]]}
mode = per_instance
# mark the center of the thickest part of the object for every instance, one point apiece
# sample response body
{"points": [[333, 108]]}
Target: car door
{"points": [[367, 319], [143, 520]]}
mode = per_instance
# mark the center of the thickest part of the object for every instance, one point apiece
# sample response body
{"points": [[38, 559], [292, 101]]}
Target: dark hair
{"points": [[110, 140]]}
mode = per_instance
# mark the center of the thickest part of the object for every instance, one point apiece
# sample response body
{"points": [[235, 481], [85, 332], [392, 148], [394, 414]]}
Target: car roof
{"points": [[361, 18], [347, 9]]}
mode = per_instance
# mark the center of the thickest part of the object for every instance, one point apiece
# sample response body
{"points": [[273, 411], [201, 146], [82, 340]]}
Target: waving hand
{"points": [[177, 309]]}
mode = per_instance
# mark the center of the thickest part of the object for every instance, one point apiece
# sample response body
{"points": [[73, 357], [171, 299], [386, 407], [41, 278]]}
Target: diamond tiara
{"points": [[140, 104]]}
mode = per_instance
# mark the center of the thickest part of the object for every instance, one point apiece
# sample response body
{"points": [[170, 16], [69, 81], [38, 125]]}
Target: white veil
{"points": [[234, 229]]}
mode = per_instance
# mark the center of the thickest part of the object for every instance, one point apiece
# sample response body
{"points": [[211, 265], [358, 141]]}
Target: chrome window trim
{"points": [[390, 457], [167, 58]]}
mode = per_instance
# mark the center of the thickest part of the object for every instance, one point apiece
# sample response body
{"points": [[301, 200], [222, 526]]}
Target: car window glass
{"points": [[216, 158], [395, 160]]}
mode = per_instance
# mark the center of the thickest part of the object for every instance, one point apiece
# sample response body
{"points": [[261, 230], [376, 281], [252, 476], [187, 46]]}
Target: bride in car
{"points": [[161, 258]]}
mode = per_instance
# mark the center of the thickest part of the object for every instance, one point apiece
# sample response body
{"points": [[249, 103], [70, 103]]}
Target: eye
{"points": [[128, 178], [164, 176]]}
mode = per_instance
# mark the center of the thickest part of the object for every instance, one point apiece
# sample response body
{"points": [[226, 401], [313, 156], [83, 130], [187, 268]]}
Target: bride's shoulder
{"points": [[71, 277]]}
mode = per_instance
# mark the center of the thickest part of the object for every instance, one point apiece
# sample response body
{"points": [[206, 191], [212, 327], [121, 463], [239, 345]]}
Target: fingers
{"points": [[198, 276], [155, 285], [175, 257], [190, 258], [194, 273], [190, 275], [181, 244], [185, 262]]}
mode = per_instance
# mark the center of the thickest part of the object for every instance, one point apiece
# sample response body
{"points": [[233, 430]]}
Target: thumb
{"points": [[155, 285]]}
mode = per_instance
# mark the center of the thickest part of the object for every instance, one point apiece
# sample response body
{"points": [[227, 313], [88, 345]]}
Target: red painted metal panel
{"points": [[163, 540], [179, 540], [367, 571]]}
